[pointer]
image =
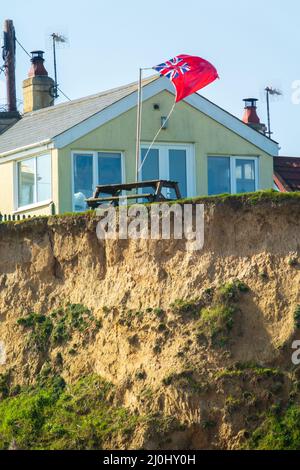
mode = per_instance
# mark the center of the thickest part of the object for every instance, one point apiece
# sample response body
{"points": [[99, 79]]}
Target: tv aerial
{"points": [[57, 41], [271, 92]]}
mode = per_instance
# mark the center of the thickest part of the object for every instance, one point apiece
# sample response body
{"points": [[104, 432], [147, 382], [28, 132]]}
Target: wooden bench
{"points": [[114, 192]]}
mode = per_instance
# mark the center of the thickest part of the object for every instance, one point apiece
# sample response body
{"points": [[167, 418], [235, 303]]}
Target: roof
{"points": [[287, 173], [47, 123], [62, 124]]}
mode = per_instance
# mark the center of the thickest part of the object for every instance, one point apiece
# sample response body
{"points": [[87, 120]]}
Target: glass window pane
{"points": [[43, 177], [177, 170], [26, 182], [150, 169], [109, 168], [83, 180], [218, 175], [245, 176]]}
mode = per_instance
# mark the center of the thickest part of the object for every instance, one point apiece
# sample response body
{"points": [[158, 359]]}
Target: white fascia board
{"points": [[153, 88], [234, 124], [28, 151], [109, 113]]}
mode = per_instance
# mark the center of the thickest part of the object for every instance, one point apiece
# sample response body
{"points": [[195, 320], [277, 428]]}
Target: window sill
{"points": [[29, 207]]}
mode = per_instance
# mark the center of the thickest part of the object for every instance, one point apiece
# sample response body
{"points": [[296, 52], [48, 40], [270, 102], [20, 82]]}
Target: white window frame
{"points": [[94, 154], [232, 160], [163, 159], [36, 204]]}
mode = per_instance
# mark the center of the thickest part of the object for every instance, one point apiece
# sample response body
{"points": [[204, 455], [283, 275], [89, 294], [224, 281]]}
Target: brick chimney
{"points": [[38, 87], [250, 115]]}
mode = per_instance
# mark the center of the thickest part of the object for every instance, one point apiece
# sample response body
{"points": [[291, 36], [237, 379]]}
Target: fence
{"points": [[13, 217]]}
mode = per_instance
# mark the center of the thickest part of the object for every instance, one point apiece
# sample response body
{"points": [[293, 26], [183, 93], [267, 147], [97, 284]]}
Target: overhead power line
{"points": [[23, 48]]}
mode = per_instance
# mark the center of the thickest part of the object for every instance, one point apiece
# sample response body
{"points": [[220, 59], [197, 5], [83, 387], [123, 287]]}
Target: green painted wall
{"points": [[187, 125]]}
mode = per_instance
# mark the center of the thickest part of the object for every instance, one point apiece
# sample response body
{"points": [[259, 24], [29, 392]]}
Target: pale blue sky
{"points": [[253, 43]]}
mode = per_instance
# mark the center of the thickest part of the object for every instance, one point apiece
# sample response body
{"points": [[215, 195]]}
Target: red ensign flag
{"points": [[188, 74]]}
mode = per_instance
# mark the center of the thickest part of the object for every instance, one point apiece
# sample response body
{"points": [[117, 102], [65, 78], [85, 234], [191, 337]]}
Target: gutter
{"points": [[18, 152]]}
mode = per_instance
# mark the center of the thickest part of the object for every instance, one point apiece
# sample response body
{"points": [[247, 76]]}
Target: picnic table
{"points": [[113, 192]]}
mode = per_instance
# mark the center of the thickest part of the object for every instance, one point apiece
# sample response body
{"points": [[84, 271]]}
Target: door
{"points": [[170, 162]]}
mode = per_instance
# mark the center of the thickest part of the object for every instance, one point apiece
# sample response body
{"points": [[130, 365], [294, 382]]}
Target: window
{"points": [[173, 162], [245, 176], [218, 175], [34, 180], [92, 168], [232, 175]]}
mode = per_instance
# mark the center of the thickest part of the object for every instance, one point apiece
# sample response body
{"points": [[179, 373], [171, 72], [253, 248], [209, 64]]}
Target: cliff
{"points": [[193, 349]]}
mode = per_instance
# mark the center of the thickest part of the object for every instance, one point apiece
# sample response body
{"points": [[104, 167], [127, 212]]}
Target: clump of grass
{"points": [[159, 312], [209, 424], [59, 327], [293, 261], [140, 374], [5, 380], [232, 403], [40, 328], [297, 317], [129, 317], [241, 369], [186, 308], [230, 291], [264, 275], [184, 380], [216, 320]]}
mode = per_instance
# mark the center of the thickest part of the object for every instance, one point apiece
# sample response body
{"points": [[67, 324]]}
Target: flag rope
{"points": [[157, 134]]}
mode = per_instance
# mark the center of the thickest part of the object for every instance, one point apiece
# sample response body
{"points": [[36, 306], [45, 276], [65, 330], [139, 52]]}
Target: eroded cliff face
{"points": [[150, 345]]}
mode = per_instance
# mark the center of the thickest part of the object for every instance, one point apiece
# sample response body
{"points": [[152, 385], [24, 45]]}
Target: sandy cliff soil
{"points": [[204, 337]]}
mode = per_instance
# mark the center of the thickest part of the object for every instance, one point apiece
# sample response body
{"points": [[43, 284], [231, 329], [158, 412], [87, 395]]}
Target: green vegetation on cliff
{"points": [[52, 415]]}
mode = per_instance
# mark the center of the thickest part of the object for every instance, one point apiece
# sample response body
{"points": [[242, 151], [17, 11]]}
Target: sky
{"points": [[253, 44]]}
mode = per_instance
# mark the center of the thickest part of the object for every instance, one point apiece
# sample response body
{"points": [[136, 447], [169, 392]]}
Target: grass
{"points": [[185, 381], [5, 384], [216, 322], [247, 198], [58, 327], [254, 198], [279, 431], [241, 369], [40, 328], [52, 415], [217, 319], [186, 308]]}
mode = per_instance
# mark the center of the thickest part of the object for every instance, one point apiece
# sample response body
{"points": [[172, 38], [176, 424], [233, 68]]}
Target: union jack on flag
{"points": [[188, 74], [173, 68]]}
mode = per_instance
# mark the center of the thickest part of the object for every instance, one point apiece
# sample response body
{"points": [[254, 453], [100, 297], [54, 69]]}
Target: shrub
{"points": [[229, 292], [51, 416], [216, 322], [279, 431]]}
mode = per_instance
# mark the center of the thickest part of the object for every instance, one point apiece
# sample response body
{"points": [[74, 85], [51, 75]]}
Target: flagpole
{"points": [[138, 126]]}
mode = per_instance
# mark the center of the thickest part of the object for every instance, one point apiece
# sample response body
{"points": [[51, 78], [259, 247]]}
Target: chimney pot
{"points": [[37, 87], [37, 68], [250, 115]]}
